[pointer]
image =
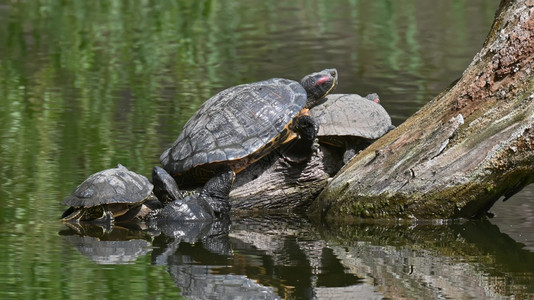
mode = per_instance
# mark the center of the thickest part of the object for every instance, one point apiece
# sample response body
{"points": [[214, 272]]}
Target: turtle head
{"points": [[373, 97], [318, 85], [165, 188]]}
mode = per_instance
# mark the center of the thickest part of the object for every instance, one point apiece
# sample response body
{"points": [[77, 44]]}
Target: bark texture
{"points": [[284, 182], [469, 146]]}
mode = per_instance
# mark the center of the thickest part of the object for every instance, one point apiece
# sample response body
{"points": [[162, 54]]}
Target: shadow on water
{"points": [[286, 256]]}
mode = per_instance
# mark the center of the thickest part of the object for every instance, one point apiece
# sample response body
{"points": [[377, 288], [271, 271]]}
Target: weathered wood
{"points": [[285, 182], [469, 146]]}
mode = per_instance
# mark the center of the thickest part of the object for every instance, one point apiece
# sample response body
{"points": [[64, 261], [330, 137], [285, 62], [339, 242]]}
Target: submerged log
{"points": [[460, 153]]}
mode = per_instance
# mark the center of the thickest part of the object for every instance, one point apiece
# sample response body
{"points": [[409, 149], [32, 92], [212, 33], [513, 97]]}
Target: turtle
{"points": [[350, 121], [121, 195], [211, 203], [112, 194], [241, 124]]}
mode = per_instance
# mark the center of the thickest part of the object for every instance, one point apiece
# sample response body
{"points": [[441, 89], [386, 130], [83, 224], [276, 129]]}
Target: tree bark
{"points": [[460, 153], [284, 182]]}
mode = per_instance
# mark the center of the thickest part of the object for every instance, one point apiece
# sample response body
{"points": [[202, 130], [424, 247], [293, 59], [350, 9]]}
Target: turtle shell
{"points": [[350, 115], [112, 186], [236, 127]]}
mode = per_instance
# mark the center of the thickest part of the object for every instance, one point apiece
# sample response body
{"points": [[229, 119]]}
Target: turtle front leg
{"points": [[349, 153], [217, 192], [106, 217], [307, 129], [354, 147]]}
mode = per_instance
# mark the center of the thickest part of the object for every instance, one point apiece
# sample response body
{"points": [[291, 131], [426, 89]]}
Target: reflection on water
{"points": [[515, 217], [85, 85], [285, 256], [456, 261]]}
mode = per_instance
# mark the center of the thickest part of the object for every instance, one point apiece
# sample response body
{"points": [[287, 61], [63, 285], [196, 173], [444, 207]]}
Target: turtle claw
{"points": [[106, 218], [315, 146]]}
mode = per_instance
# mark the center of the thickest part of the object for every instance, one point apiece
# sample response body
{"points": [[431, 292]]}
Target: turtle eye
{"points": [[322, 80]]}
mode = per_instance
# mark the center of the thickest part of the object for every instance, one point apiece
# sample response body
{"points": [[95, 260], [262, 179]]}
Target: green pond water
{"points": [[85, 85]]}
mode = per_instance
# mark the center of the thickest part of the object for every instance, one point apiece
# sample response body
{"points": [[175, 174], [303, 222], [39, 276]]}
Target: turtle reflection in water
{"points": [[105, 244]]}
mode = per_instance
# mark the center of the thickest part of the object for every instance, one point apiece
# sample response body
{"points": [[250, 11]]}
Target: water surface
{"points": [[85, 85]]}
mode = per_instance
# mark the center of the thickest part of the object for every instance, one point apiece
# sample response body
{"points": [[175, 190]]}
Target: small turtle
{"points": [[350, 121], [211, 203], [241, 124], [120, 195], [112, 194]]}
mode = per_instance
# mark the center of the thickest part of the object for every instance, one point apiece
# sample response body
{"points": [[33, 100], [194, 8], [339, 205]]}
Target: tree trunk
{"points": [[469, 146]]}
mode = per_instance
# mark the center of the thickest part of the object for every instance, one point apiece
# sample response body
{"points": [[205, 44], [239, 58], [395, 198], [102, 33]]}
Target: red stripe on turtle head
{"points": [[322, 80]]}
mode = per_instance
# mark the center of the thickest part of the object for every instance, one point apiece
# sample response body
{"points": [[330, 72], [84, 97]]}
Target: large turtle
{"points": [[350, 121], [241, 124], [109, 195]]}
